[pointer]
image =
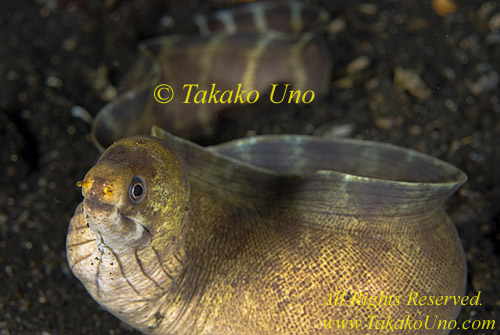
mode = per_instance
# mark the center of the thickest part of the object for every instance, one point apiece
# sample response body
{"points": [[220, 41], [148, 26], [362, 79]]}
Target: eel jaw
{"points": [[113, 229]]}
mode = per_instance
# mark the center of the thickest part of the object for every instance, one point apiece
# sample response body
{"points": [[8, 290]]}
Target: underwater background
{"points": [[413, 73]]}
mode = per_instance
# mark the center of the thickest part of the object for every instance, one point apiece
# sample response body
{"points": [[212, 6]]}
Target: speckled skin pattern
{"points": [[254, 236]]}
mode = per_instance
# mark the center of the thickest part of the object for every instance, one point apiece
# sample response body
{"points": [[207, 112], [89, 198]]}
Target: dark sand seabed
{"points": [[60, 56]]}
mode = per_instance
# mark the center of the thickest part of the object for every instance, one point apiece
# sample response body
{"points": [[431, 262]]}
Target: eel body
{"points": [[268, 235], [245, 49]]}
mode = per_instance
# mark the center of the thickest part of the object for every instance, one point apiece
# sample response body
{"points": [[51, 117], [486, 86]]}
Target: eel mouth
{"points": [[113, 229]]}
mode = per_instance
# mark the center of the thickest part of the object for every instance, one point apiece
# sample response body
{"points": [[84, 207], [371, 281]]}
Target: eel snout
{"points": [[103, 189]]}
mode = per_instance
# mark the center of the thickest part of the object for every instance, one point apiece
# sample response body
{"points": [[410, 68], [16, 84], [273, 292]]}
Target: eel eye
{"points": [[137, 190]]}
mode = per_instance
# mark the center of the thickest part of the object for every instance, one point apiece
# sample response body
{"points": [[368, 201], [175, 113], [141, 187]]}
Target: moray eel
{"points": [[246, 48], [274, 234]]}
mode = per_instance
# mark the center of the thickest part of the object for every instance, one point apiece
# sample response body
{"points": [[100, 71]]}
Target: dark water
{"points": [[61, 56]]}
